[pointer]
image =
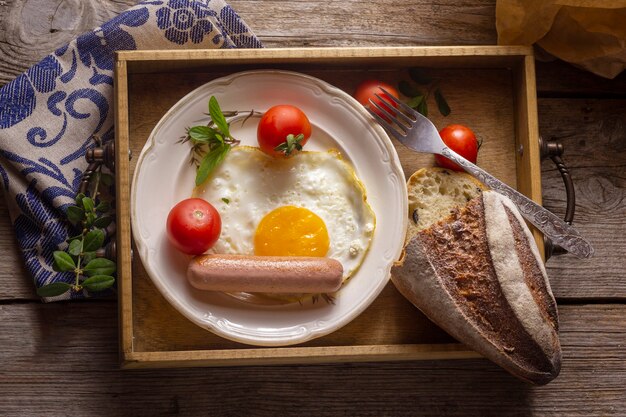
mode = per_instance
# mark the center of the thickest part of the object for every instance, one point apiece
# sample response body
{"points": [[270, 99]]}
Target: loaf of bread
{"points": [[472, 266]]}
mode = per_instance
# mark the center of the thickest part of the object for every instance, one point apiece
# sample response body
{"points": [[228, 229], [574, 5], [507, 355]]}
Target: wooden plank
{"points": [[418, 22], [560, 79], [30, 30], [55, 350], [299, 55], [593, 133], [123, 232], [384, 22], [297, 355], [527, 138], [16, 284]]}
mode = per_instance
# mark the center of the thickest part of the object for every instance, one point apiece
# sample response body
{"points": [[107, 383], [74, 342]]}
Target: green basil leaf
{"points": [[103, 222], [63, 261], [75, 247], [88, 204], [423, 108], [88, 257], [417, 75], [442, 104], [407, 89], [98, 282], [203, 134], [79, 199], [54, 289], [100, 266], [210, 162], [75, 214], [89, 220], [415, 101], [218, 117], [103, 206], [93, 240]]}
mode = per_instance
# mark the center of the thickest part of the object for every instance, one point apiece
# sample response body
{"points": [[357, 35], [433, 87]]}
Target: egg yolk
{"points": [[291, 231]]}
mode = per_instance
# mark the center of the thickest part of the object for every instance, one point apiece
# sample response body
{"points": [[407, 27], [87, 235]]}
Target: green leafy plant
{"points": [[90, 215], [419, 100], [211, 143]]}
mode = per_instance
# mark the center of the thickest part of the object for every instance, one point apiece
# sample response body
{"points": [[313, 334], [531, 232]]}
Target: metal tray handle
{"points": [[554, 150]]}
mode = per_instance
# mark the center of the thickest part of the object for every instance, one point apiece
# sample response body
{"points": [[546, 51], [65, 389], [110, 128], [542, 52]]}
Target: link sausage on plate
{"points": [[268, 274]]}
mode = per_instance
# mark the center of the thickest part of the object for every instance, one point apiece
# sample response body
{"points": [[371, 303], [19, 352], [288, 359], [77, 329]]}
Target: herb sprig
{"points": [[211, 143], [419, 100], [291, 144], [90, 215]]}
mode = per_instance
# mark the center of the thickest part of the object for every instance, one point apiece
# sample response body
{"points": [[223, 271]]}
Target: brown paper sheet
{"points": [[590, 34]]}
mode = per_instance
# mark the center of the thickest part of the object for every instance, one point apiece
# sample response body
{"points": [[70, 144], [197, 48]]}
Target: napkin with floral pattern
{"points": [[49, 114]]}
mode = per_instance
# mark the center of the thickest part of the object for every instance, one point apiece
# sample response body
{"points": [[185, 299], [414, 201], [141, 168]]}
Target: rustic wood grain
{"points": [[15, 284], [560, 79], [62, 359], [66, 364], [309, 23], [593, 133], [31, 29], [389, 22]]}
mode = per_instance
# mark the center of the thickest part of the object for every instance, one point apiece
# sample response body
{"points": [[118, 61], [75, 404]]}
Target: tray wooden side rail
{"points": [[489, 88]]}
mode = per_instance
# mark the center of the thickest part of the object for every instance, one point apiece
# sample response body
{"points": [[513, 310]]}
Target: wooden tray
{"points": [[490, 88]]}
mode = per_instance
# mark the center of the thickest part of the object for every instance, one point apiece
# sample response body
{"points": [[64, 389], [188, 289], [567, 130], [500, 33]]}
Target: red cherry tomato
{"points": [[277, 124], [366, 90], [193, 226], [461, 140]]}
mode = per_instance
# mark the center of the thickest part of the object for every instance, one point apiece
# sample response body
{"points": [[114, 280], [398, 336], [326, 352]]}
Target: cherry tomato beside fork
{"points": [[461, 140]]}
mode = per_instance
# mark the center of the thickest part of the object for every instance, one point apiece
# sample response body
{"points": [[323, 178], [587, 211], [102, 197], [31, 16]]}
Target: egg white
{"points": [[249, 184]]}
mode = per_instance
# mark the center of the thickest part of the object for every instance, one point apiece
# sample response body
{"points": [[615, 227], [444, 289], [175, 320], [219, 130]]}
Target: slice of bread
{"points": [[434, 193], [475, 271]]}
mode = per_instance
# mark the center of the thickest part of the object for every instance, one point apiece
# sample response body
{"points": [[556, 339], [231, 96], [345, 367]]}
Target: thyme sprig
{"points": [[211, 143]]}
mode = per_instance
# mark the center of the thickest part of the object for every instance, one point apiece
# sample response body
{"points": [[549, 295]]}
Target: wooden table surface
{"points": [[61, 358]]}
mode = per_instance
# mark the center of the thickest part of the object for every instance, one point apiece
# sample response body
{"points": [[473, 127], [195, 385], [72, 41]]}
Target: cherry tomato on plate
{"points": [[193, 226], [367, 90], [283, 130], [461, 140]]}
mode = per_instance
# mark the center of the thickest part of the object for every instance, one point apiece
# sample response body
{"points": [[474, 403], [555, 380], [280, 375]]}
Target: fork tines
{"points": [[401, 122]]}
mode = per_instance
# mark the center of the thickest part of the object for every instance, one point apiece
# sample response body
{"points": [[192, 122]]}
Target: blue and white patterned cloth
{"points": [[49, 113]]}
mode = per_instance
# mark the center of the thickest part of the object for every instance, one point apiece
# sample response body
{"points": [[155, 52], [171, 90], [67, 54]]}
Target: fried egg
{"points": [[311, 204]]}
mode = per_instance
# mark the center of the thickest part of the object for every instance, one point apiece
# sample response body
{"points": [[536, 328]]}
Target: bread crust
{"points": [[476, 275]]}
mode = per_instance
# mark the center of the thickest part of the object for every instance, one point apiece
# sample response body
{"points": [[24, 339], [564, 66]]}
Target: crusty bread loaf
{"points": [[434, 193], [477, 273]]}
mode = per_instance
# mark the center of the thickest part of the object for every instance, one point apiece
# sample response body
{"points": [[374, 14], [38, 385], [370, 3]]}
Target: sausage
{"points": [[269, 274]]}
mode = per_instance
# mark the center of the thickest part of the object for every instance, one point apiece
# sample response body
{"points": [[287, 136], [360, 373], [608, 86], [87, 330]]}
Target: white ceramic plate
{"points": [[163, 177]]}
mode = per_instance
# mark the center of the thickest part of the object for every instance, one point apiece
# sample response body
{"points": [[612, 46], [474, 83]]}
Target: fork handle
{"points": [[553, 227]]}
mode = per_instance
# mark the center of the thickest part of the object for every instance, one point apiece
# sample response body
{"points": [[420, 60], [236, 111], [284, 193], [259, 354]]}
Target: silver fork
{"points": [[418, 133]]}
